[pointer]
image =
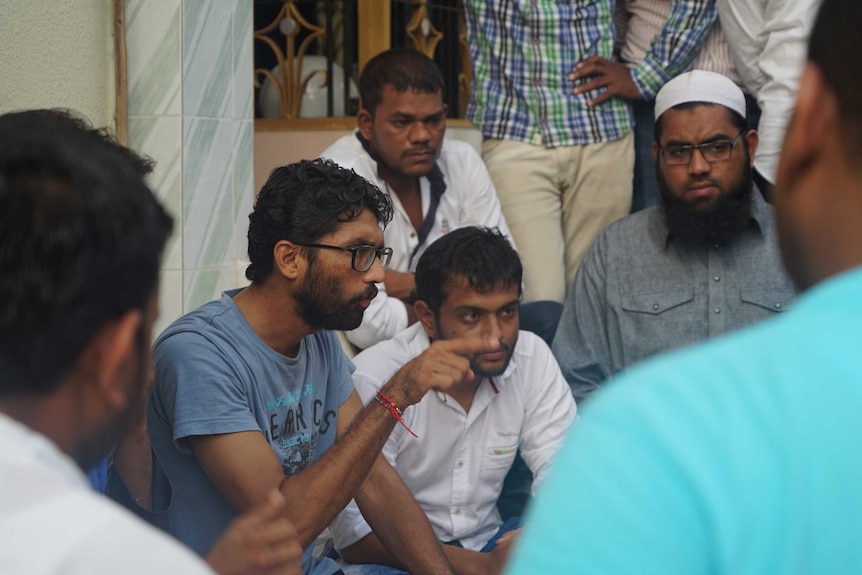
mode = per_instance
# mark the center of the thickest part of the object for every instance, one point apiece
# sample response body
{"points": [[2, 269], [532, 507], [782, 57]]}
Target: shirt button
{"points": [[457, 512], [543, 121], [655, 306], [716, 278], [535, 40], [717, 310], [715, 246], [459, 464], [777, 306]]}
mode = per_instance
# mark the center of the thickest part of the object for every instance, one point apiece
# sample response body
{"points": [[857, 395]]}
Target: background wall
{"points": [[190, 108], [58, 54]]}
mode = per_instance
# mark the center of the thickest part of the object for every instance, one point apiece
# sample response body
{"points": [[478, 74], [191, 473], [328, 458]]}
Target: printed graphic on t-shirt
{"points": [[296, 420]]}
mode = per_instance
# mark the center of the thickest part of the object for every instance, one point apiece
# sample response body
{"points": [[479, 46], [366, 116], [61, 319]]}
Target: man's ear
{"points": [[364, 120], [655, 151], [752, 138], [288, 259], [806, 135], [106, 360], [426, 317]]}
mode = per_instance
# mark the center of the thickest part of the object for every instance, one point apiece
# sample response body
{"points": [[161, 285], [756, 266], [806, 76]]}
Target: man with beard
{"points": [[457, 446], [252, 391], [703, 263], [436, 184]]}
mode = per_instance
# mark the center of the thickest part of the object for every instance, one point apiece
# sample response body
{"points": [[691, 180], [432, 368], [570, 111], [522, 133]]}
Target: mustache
{"points": [[703, 180], [370, 293]]}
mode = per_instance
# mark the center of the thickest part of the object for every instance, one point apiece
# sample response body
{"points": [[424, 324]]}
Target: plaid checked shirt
{"points": [[676, 45], [522, 51]]}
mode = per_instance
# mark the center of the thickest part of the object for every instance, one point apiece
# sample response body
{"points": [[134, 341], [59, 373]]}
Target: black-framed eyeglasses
{"points": [[362, 257], [715, 151]]}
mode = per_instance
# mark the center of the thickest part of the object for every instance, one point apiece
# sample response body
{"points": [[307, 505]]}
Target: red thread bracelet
{"points": [[393, 409]]}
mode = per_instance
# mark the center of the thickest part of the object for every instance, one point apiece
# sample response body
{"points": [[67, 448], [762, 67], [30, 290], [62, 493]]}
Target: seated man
{"points": [[468, 284], [436, 185], [253, 393], [702, 263], [80, 243]]}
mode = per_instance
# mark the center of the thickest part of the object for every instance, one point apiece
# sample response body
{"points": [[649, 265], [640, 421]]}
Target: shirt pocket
{"points": [[653, 322], [655, 303], [496, 462], [774, 300]]}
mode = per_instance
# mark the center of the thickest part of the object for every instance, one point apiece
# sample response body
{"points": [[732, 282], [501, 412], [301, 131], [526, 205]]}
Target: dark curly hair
{"points": [[303, 202]]}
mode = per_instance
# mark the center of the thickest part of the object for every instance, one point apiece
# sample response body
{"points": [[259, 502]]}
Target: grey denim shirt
{"points": [[638, 293]]}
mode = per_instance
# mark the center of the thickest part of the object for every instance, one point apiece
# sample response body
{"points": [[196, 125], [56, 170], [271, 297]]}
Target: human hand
{"points": [[614, 76], [261, 541], [445, 363], [499, 556], [399, 284]]}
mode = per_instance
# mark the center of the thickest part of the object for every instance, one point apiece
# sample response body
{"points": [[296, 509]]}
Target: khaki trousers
{"points": [[557, 201]]}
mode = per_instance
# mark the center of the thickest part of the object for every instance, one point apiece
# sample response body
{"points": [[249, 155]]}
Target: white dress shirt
{"points": [[51, 522], [768, 41], [455, 468], [470, 200]]}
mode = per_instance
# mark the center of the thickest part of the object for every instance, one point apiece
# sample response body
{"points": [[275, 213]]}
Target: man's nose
{"points": [[698, 163]]}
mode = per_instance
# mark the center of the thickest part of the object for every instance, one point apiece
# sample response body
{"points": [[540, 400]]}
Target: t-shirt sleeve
{"points": [[198, 389]]}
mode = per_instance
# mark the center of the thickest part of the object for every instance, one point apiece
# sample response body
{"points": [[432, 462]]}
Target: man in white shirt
{"points": [[436, 185], [454, 449], [767, 40], [80, 244]]}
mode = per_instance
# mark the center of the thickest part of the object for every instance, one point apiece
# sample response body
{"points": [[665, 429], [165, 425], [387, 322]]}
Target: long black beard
{"points": [[719, 222]]}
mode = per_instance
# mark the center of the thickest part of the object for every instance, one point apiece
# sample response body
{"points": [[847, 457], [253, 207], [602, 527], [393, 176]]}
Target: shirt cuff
{"points": [[649, 77]]}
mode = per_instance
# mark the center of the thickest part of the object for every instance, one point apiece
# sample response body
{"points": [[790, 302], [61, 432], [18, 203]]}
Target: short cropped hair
{"points": [[81, 238], [482, 256], [834, 43], [143, 164], [303, 202], [403, 69]]}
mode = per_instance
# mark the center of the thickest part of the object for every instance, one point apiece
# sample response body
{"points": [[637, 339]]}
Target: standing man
{"points": [[436, 185], [562, 168], [252, 390], [80, 243], [701, 264], [738, 456], [767, 40], [468, 284]]}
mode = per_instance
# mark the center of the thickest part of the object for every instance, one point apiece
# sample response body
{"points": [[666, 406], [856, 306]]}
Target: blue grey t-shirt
{"points": [[215, 375]]}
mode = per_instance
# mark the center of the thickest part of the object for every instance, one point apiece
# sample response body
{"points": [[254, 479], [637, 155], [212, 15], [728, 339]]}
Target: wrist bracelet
{"points": [[381, 398]]}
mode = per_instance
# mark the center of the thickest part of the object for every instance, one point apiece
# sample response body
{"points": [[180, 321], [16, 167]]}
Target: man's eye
{"points": [[400, 123], [677, 151], [719, 147], [470, 316], [509, 312]]}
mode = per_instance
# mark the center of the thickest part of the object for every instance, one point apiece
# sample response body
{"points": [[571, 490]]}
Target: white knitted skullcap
{"points": [[700, 86]]}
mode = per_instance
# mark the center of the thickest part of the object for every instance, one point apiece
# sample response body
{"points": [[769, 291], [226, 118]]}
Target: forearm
{"points": [[319, 492], [466, 562], [399, 523]]}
